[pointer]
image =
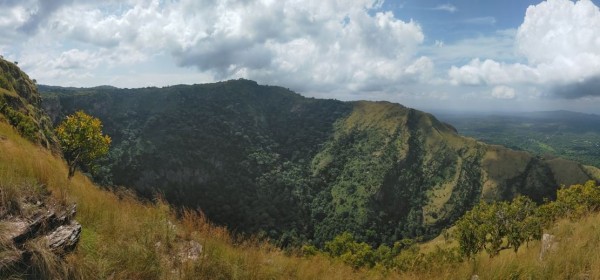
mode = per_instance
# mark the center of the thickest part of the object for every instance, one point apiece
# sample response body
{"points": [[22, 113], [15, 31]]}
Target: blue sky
{"points": [[453, 20], [468, 55]]}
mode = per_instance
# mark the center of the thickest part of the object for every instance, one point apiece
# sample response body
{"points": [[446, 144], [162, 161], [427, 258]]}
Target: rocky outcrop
{"points": [[64, 238], [49, 223]]}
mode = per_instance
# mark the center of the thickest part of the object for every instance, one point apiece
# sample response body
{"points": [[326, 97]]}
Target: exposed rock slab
{"points": [[64, 238], [53, 223]]}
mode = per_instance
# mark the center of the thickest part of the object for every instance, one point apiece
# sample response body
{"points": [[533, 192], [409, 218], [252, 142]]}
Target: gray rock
{"points": [[56, 227], [190, 251], [549, 244], [64, 238]]}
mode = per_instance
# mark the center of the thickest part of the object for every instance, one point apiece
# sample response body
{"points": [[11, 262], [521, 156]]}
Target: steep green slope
{"points": [[262, 159], [20, 105], [393, 172], [408, 173]]}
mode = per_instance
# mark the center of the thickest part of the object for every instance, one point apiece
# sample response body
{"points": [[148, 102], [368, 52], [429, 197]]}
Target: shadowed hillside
{"points": [[262, 159]]}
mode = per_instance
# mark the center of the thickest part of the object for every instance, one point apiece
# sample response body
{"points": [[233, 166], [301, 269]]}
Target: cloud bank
{"points": [[560, 43], [325, 48], [308, 45]]}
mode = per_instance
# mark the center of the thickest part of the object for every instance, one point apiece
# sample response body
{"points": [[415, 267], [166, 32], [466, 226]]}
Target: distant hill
{"points": [[571, 135], [265, 160]]}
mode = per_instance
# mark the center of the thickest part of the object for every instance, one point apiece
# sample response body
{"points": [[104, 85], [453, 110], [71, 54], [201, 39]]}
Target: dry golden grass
{"points": [[576, 256], [383, 116]]}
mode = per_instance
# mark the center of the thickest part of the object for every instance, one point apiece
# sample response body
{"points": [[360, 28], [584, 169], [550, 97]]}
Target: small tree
{"points": [[81, 140], [523, 223], [473, 228], [498, 226]]}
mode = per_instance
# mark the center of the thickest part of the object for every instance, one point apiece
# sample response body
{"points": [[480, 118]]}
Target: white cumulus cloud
{"points": [[491, 72], [560, 42], [312, 45]]}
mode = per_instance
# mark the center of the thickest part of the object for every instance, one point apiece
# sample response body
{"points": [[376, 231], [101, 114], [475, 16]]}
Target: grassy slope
{"points": [[576, 256], [123, 238]]}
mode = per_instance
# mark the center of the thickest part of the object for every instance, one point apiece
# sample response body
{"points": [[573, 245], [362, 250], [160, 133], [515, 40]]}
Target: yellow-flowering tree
{"points": [[81, 140]]}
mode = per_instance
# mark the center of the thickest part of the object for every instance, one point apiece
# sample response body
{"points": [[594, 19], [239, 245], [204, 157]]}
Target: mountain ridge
{"points": [[266, 160]]}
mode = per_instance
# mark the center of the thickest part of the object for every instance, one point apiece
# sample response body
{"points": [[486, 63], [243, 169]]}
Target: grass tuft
{"points": [[43, 263]]}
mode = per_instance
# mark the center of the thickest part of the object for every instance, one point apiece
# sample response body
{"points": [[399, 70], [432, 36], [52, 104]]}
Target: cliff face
{"points": [[265, 160], [20, 105]]}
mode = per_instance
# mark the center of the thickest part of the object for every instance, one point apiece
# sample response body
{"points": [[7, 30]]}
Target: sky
{"points": [[440, 55]]}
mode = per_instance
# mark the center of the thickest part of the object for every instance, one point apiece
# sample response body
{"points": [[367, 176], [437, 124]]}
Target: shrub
{"points": [[498, 226]]}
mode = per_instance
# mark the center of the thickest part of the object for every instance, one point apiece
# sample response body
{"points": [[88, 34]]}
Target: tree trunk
{"points": [[71, 171], [72, 165]]}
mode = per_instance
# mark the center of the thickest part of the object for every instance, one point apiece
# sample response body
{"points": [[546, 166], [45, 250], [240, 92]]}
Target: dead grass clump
{"points": [[43, 263]]}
